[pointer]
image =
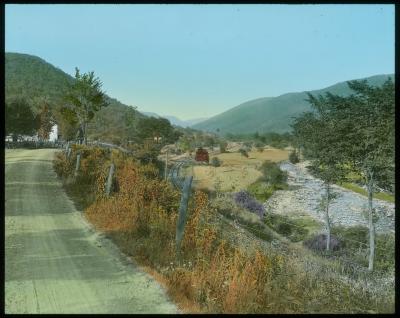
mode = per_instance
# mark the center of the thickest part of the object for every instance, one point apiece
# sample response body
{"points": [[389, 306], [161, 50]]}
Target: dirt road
{"points": [[54, 261]]}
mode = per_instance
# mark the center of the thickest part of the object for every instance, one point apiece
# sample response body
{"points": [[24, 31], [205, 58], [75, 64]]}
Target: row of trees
{"points": [[350, 134], [22, 118], [260, 139]]}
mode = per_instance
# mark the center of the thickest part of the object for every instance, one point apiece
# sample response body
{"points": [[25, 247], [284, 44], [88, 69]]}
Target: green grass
{"points": [[355, 246], [357, 189], [295, 229]]}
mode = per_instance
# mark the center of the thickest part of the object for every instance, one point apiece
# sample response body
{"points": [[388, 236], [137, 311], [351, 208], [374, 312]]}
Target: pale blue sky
{"points": [[200, 60]]}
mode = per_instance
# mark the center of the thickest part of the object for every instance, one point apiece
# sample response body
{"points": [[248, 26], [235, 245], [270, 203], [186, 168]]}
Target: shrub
{"points": [[243, 152], [260, 190], [385, 251], [215, 162], [318, 243], [245, 200], [294, 229], [351, 236], [293, 157], [272, 173], [222, 146]]}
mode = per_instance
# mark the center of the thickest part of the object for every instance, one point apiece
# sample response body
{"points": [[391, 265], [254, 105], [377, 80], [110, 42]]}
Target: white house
{"points": [[54, 133]]}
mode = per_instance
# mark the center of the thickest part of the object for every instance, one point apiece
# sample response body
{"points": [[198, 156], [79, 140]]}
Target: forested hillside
{"points": [[36, 80], [272, 114]]}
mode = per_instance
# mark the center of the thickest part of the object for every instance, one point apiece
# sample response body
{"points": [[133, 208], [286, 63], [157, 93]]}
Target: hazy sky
{"points": [[200, 60]]}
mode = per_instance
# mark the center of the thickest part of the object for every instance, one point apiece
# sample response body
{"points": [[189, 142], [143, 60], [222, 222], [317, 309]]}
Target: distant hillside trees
{"points": [[19, 118], [271, 138], [84, 98], [157, 128], [356, 132]]}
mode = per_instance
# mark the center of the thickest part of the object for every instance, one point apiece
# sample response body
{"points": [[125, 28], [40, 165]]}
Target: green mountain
{"points": [[272, 114], [33, 78]]}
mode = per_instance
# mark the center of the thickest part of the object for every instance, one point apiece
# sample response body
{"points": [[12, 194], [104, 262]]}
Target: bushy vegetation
{"points": [[261, 190], [211, 275], [318, 243], [294, 157], [272, 139], [243, 152], [355, 245], [216, 162], [295, 229], [245, 200], [272, 174]]}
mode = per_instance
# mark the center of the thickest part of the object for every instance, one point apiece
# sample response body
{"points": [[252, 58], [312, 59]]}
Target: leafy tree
{"points": [[151, 127], [368, 120], [84, 98], [355, 132], [318, 132], [46, 120], [19, 118]]}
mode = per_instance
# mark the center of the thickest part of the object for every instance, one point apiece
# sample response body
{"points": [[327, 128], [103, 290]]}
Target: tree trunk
{"points": [[84, 133], [328, 224], [371, 225]]}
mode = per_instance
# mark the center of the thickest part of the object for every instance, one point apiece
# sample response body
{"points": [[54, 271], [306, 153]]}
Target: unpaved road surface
{"points": [[54, 261]]}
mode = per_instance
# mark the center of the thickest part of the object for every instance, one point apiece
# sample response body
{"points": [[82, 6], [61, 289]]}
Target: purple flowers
{"points": [[245, 200]]}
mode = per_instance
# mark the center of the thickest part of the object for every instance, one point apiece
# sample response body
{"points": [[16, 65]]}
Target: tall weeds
{"points": [[211, 274]]}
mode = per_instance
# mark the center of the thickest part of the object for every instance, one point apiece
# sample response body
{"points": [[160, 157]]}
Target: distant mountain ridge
{"points": [[175, 120], [273, 114]]}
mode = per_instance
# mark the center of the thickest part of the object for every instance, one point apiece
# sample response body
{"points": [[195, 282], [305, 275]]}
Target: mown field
{"points": [[236, 171]]}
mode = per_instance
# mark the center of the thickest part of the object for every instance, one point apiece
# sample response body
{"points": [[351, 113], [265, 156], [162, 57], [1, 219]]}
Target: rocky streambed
{"points": [[346, 210]]}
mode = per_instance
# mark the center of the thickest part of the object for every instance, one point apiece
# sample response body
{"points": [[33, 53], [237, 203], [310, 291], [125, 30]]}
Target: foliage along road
{"points": [[54, 261]]}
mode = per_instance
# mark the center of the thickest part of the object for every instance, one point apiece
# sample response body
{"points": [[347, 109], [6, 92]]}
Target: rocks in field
{"points": [[346, 210]]}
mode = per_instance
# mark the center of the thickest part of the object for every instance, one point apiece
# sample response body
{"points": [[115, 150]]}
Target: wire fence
{"points": [[177, 181]]}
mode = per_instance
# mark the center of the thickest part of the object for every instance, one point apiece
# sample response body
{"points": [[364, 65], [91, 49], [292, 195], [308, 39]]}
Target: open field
{"points": [[236, 171]]}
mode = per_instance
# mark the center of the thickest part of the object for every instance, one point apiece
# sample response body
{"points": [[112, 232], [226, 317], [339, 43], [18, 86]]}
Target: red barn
{"points": [[202, 155]]}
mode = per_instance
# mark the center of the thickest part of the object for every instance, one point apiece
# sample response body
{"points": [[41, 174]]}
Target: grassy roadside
{"points": [[212, 275]]}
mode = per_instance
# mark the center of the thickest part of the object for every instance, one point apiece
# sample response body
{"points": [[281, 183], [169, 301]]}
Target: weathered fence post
{"points": [[109, 179], [69, 153], [66, 148], [166, 167], [78, 162], [180, 225]]}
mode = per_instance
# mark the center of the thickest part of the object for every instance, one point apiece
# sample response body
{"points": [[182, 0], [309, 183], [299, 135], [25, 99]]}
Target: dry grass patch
{"points": [[236, 172]]}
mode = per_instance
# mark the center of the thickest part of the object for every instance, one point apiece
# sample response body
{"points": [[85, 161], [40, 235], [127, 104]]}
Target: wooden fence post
{"points": [[109, 179], [69, 153], [78, 162], [180, 225], [66, 148], [166, 166]]}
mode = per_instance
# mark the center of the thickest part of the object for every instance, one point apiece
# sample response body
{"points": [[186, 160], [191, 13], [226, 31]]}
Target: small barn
{"points": [[202, 155]]}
